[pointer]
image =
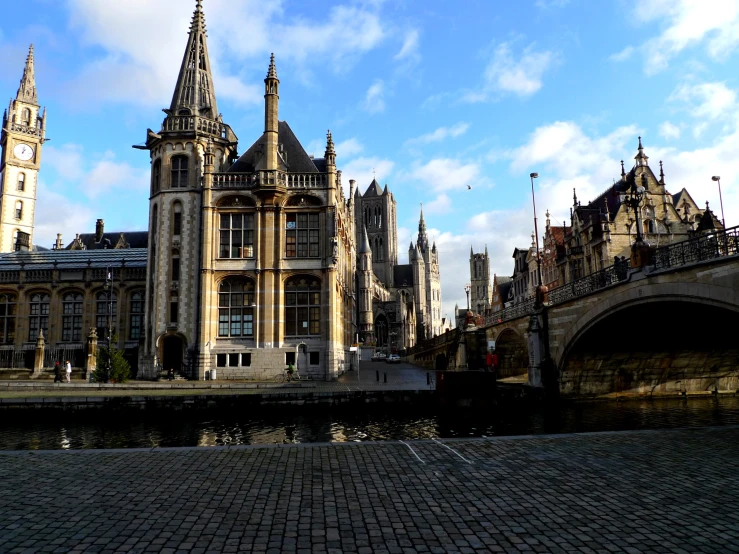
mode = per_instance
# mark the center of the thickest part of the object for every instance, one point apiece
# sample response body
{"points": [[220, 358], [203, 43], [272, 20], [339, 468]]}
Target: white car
{"points": [[392, 359]]}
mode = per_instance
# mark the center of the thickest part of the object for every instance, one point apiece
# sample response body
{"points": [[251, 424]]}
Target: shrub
{"points": [[120, 370]]}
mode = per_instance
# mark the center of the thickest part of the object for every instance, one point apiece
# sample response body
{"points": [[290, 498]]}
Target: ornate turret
{"points": [[27, 88], [641, 158], [194, 93], [330, 154], [271, 110]]}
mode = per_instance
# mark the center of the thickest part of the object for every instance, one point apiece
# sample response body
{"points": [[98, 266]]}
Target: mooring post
{"points": [[377, 373], [385, 376]]}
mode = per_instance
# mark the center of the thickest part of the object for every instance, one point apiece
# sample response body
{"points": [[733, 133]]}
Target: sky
{"points": [[452, 104]]}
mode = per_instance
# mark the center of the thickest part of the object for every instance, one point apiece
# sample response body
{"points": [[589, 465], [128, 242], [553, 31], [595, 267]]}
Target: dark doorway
{"points": [[172, 353]]}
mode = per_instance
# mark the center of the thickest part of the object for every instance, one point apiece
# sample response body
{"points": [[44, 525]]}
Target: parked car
{"points": [[392, 359], [378, 357]]}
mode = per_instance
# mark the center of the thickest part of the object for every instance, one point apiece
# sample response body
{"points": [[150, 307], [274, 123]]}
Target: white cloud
{"points": [[507, 75], [688, 23], [669, 131], [363, 170], [623, 55], [349, 148], [444, 174], [374, 100], [440, 134], [706, 100], [55, 213], [441, 205], [409, 50], [66, 161], [107, 175], [143, 43]]}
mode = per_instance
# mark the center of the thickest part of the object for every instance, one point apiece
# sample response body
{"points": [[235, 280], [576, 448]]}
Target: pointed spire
{"points": [[272, 71], [623, 171], [330, 154], [365, 247], [27, 88], [385, 191], [194, 90], [641, 158], [661, 173], [574, 197], [422, 240]]}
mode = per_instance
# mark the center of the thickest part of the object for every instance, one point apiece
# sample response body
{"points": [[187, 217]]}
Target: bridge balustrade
{"points": [[590, 283], [698, 249]]}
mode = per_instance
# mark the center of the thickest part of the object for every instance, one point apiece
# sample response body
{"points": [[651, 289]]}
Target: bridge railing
{"points": [[697, 249], [590, 283], [511, 312]]}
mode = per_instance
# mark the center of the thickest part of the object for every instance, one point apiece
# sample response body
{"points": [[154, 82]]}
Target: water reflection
{"points": [[346, 424]]}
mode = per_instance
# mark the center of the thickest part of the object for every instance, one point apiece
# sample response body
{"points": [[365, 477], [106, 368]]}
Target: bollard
{"points": [[378, 375], [428, 378], [385, 377]]}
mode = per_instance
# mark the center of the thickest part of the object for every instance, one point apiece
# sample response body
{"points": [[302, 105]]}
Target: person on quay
{"points": [[69, 372], [171, 374], [57, 372]]}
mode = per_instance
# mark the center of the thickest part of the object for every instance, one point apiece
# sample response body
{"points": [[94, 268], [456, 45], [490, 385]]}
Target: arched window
{"points": [[21, 181], [177, 219], [236, 308], [38, 318], [237, 236], [179, 171], [8, 307], [156, 176], [302, 306], [26, 117], [72, 317], [19, 210], [175, 265], [137, 315], [381, 250], [105, 306]]}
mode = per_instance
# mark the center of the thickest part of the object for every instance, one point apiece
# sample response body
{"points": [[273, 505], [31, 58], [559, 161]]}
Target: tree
{"points": [[112, 366]]}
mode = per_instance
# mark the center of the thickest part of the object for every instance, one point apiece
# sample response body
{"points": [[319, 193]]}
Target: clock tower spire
{"points": [[22, 135]]}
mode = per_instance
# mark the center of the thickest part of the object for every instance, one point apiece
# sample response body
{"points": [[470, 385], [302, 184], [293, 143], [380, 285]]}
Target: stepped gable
{"points": [[293, 153]]}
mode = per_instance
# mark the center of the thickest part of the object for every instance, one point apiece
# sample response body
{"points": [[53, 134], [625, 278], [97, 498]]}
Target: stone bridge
{"points": [[670, 326]]}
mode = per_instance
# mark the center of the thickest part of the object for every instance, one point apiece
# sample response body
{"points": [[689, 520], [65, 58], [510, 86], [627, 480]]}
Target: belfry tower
{"points": [[21, 138], [191, 132]]}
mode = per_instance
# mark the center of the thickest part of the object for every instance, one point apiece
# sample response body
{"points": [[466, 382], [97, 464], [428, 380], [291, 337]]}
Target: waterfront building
{"points": [[501, 287]]}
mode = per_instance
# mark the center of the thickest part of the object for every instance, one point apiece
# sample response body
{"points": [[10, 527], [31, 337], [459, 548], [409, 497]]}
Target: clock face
{"points": [[23, 152]]}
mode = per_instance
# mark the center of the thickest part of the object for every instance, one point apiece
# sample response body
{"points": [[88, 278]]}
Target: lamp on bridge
{"points": [[541, 290], [640, 250], [718, 180], [467, 289]]}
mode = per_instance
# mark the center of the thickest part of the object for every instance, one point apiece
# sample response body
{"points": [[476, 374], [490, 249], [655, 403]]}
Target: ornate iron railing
{"points": [[606, 277], [698, 249], [511, 312]]}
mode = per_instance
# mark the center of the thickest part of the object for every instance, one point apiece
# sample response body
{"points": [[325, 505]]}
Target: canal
{"points": [[281, 425]]}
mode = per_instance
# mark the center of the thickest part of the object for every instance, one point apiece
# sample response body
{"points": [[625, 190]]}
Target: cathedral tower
{"points": [[21, 138], [481, 290], [193, 139], [376, 210]]}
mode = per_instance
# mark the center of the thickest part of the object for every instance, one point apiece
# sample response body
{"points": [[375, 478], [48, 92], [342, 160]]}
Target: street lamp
{"points": [[633, 201], [540, 289], [718, 180], [467, 288], [109, 289]]}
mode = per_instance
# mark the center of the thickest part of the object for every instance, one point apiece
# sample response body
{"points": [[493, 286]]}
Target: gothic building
{"points": [[481, 290]]}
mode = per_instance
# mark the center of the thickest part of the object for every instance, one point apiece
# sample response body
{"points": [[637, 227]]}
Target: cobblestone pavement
{"points": [[647, 491]]}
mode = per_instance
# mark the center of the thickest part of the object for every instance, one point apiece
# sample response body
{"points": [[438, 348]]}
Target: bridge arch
{"points": [[656, 336]]}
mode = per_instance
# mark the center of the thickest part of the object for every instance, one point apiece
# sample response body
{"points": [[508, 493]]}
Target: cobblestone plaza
{"points": [[644, 491]]}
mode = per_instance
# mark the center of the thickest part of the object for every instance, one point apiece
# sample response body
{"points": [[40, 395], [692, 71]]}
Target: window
{"points": [[103, 307], [137, 315], [176, 267], [302, 235], [221, 360], [236, 308], [179, 171], [246, 359], [302, 307], [26, 117], [38, 319], [174, 309], [237, 236], [72, 317], [177, 222], [156, 177], [289, 358], [314, 358], [19, 210], [21, 181], [8, 307], [232, 360]]}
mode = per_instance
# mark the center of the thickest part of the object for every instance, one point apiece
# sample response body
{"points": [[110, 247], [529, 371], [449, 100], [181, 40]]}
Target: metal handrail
{"points": [[697, 249]]}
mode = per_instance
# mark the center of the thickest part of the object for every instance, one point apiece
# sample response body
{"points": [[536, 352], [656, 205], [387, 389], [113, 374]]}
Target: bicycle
{"points": [[285, 376]]}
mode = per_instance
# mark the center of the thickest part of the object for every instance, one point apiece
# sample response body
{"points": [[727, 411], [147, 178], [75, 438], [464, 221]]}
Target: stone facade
{"points": [[481, 290]]}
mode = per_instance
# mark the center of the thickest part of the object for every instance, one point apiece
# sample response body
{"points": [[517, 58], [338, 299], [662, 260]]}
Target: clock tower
{"points": [[21, 138]]}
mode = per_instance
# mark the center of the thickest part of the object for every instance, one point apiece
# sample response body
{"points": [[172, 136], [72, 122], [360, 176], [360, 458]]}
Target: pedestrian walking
{"points": [[495, 362], [58, 372], [171, 374], [69, 372], [489, 361]]}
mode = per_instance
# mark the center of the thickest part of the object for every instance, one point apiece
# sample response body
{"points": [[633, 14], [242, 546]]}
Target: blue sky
{"points": [[432, 95]]}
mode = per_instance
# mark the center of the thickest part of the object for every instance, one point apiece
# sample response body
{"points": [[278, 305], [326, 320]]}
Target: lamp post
{"points": [[467, 288], [718, 180], [633, 200], [109, 289], [540, 289]]}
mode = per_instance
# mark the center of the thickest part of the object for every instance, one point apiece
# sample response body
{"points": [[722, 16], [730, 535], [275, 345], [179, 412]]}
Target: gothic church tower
{"points": [[481, 290], [21, 138], [191, 132], [376, 211], [431, 298]]}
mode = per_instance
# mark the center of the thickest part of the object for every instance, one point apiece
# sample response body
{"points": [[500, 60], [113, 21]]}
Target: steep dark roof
{"points": [[373, 190], [298, 161], [134, 257], [135, 239], [403, 275], [499, 279], [503, 289]]}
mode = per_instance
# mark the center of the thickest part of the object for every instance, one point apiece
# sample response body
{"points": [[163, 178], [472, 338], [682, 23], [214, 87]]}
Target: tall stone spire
{"points": [[194, 91], [422, 240], [27, 88], [271, 114]]}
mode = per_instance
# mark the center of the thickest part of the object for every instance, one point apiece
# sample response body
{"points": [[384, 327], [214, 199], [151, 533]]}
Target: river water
{"points": [[87, 429]]}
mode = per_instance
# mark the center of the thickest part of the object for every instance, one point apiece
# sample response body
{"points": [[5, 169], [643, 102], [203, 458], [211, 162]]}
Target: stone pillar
{"points": [[92, 353], [38, 361], [536, 349]]}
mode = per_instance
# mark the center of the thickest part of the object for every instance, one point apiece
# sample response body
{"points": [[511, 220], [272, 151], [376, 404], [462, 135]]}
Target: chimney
{"points": [[99, 226], [22, 242], [58, 245]]}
